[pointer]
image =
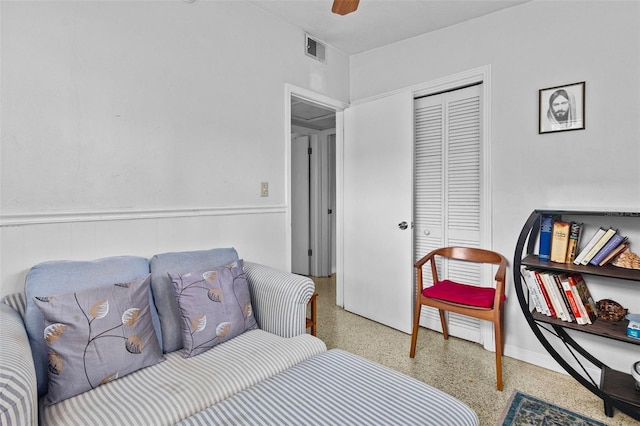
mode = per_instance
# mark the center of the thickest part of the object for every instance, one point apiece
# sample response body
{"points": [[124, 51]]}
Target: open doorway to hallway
{"points": [[313, 188]]}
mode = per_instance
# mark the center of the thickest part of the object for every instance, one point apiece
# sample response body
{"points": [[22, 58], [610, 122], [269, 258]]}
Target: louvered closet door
{"points": [[447, 188]]}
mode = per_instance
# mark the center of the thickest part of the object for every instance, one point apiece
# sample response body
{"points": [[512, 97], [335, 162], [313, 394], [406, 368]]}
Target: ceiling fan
{"points": [[343, 7]]}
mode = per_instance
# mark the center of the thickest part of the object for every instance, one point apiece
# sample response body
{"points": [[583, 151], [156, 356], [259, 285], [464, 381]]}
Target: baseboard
{"points": [[544, 360]]}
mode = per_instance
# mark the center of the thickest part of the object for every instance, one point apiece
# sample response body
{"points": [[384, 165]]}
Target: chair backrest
{"points": [[468, 254]]}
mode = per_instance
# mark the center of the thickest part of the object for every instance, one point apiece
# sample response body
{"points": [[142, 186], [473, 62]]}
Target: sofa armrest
{"points": [[18, 387], [18, 301], [279, 299]]}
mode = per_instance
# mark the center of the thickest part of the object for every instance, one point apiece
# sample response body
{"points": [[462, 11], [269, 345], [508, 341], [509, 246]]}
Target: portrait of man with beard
{"points": [[562, 108]]}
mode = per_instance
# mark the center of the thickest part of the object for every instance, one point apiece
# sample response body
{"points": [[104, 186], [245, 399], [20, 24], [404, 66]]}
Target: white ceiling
{"points": [[378, 22]]}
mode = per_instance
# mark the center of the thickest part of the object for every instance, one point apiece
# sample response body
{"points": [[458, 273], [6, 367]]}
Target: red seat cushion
{"points": [[463, 294]]}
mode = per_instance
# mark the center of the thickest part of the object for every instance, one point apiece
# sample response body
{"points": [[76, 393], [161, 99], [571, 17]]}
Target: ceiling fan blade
{"points": [[343, 7]]}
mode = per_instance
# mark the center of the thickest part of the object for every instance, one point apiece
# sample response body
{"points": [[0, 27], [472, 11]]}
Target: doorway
{"points": [[313, 188]]}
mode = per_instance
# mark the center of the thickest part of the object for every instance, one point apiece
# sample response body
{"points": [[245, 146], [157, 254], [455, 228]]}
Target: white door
{"points": [[377, 210], [300, 241], [447, 194]]}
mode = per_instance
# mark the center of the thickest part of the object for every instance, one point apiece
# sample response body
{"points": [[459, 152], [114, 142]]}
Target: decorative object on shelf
{"points": [[610, 310], [561, 108], [633, 329], [635, 372], [627, 259]]}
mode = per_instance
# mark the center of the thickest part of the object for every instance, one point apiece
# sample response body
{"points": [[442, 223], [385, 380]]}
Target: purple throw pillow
{"points": [[215, 305], [96, 336]]}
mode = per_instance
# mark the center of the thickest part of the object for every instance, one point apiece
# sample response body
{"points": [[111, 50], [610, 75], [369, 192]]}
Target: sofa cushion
{"points": [[61, 277], [161, 266], [215, 306], [338, 388], [97, 335], [179, 388]]}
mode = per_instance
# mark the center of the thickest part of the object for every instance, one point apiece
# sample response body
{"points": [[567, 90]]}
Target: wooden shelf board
{"points": [[605, 271], [626, 212], [620, 386], [609, 329]]}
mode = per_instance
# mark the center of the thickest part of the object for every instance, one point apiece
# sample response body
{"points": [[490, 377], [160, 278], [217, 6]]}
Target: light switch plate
{"points": [[264, 189]]}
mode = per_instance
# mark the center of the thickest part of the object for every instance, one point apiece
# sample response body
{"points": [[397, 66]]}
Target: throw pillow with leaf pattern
{"points": [[96, 336], [215, 305]]}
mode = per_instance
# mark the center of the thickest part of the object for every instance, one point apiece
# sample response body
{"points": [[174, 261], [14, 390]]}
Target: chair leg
{"points": [[443, 322], [414, 333], [499, 349]]}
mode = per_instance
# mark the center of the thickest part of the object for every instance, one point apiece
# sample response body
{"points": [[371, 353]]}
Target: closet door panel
{"points": [[447, 190]]}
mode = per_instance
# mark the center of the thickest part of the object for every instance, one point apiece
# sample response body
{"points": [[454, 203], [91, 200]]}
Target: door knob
{"points": [[403, 225]]}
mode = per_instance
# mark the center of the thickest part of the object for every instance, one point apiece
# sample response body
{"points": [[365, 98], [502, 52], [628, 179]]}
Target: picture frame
{"points": [[561, 108]]}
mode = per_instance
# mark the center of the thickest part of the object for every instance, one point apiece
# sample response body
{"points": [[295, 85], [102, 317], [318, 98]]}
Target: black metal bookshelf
{"points": [[615, 388]]}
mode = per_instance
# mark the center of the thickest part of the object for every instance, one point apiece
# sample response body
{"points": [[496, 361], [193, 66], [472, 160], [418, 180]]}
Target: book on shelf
{"points": [[559, 241], [534, 291], [592, 242], [585, 296], [545, 294], [577, 298], [598, 245], [575, 231], [546, 231], [617, 251], [610, 246], [555, 296], [566, 305], [543, 299], [571, 298]]}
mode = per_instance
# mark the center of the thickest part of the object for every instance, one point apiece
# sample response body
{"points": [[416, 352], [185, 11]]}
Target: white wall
{"points": [[538, 45], [136, 127]]}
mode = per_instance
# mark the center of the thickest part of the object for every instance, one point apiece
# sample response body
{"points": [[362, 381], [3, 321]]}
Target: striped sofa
{"points": [[274, 375]]}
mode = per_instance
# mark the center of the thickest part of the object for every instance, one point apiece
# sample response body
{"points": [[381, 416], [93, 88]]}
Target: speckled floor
{"points": [[437, 362]]}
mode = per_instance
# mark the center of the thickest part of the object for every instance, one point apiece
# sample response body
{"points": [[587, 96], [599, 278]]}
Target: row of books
{"points": [[559, 242], [560, 295], [603, 247]]}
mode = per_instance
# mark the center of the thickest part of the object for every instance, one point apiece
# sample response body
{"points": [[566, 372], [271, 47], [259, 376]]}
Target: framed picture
{"points": [[561, 108]]}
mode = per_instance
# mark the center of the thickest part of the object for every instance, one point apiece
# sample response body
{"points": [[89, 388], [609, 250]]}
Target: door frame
{"points": [[339, 107]]}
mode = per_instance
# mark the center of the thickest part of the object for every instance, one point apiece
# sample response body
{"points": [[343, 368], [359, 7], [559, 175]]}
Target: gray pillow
{"points": [[96, 336], [165, 300], [215, 305], [67, 276]]}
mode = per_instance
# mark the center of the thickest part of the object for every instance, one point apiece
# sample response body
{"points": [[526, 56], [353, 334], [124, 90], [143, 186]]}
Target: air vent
{"points": [[314, 48]]}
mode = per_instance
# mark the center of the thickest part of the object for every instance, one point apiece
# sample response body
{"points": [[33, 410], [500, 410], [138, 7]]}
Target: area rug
{"points": [[525, 409]]}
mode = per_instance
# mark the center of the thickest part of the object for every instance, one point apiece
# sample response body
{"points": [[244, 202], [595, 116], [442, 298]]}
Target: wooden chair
{"points": [[485, 303]]}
